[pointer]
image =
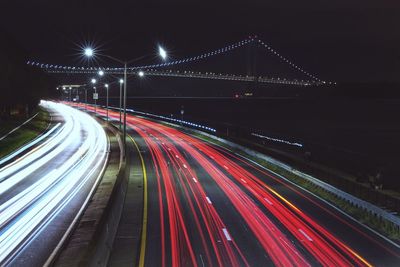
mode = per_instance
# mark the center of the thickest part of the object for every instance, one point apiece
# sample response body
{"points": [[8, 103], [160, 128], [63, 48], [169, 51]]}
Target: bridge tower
{"points": [[251, 66]]}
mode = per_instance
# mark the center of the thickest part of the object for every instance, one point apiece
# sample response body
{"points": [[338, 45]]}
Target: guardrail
{"points": [[371, 208]]}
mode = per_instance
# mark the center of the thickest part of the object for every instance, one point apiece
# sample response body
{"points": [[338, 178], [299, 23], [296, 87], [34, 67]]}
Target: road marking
{"points": [[201, 258], [208, 200], [308, 238], [228, 237], [194, 179], [143, 238], [269, 202]]}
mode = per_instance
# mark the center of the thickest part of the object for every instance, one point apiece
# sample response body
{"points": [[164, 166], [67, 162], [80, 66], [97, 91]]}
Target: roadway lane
{"points": [[43, 186], [208, 206]]}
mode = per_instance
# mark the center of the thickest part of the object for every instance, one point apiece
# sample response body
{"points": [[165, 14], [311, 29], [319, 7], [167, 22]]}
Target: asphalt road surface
{"points": [[207, 206], [45, 183]]}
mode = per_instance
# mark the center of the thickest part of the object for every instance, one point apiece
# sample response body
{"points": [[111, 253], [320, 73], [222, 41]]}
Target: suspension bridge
{"points": [[258, 71]]}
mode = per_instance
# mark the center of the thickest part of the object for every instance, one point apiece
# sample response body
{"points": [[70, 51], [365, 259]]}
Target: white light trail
{"points": [[33, 207]]}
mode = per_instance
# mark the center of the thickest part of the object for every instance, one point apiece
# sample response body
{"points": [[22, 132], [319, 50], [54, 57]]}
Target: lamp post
{"points": [[70, 94], [121, 81], [94, 96], [85, 98], [95, 100], [106, 86], [89, 52]]}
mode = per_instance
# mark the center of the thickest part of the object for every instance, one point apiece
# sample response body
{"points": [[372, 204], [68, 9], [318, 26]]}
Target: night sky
{"points": [[357, 42]]}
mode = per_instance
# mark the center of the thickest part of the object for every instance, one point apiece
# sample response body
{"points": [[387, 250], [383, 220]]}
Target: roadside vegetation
{"points": [[23, 135]]}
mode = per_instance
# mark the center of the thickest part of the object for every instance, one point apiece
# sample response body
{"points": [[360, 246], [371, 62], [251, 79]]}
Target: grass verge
{"points": [[25, 134]]}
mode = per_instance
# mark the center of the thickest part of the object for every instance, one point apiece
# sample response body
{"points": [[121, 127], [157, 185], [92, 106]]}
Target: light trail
{"points": [[252, 198], [25, 214]]}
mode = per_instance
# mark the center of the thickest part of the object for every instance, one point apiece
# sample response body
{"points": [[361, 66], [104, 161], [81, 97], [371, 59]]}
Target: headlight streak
{"points": [[24, 214]]}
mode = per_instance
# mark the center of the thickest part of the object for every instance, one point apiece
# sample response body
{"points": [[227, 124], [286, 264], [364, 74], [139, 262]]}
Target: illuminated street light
{"points": [[101, 73], [88, 52], [141, 73], [162, 52]]}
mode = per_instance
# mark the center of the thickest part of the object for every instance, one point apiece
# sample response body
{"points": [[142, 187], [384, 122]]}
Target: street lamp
{"points": [[70, 94], [89, 52], [162, 52], [101, 73], [141, 73], [106, 86], [85, 98]]}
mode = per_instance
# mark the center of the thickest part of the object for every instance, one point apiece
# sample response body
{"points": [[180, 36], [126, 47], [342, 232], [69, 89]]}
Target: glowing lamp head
{"points": [[141, 73], [93, 81], [121, 81], [162, 52], [101, 73], [88, 52], [106, 85]]}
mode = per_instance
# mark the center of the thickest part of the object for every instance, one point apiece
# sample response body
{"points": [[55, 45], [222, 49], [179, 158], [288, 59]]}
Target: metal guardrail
{"points": [[371, 208]]}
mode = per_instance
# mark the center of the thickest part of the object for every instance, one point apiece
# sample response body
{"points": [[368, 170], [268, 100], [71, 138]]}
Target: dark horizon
{"points": [[338, 41]]}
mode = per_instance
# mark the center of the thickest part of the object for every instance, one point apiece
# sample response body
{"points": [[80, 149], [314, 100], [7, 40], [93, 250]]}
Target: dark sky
{"points": [[338, 41]]}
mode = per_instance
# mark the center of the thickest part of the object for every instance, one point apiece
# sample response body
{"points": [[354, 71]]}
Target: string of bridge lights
{"points": [[200, 57], [205, 75], [195, 58], [288, 61], [203, 56]]}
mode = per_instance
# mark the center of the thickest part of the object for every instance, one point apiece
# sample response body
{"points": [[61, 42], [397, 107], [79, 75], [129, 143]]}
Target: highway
{"points": [[44, 185], [207, 206]]}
